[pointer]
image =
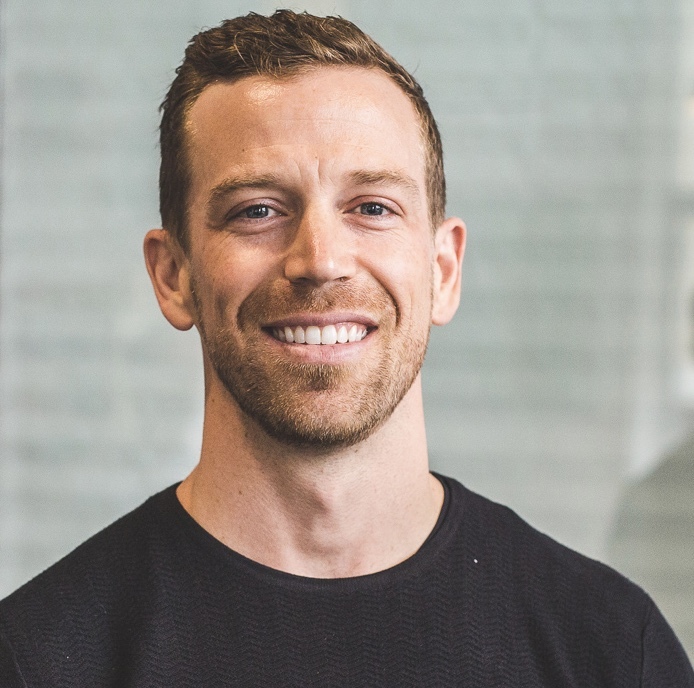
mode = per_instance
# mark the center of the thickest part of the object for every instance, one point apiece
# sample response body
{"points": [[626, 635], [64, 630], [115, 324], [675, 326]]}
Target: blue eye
{"points": [[373, 209], [256, 212]]}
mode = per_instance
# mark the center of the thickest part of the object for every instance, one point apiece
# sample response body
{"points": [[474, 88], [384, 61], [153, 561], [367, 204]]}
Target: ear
{"points": [[449, 248], [169, 270]]}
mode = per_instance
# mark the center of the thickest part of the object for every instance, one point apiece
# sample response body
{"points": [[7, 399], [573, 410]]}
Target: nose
{"points": [[321, 249]]}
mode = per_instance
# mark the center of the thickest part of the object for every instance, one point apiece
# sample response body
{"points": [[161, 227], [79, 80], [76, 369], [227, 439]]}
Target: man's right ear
{"points": [[169, 271]]}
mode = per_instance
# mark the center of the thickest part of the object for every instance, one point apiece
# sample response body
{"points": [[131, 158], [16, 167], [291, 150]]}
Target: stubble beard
{"points": [[322, 406]]}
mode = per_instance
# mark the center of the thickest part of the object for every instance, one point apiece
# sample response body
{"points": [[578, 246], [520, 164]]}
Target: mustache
{"points": [[273, 301]]}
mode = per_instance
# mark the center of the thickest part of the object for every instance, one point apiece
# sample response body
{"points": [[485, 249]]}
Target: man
{"points": [[302, 200]]}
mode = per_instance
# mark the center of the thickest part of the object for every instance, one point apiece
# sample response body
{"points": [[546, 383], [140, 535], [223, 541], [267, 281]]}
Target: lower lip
{"points": [[322, 353]]}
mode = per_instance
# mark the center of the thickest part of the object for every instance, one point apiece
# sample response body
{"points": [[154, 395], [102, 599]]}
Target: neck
{"points": [[324, 514]]}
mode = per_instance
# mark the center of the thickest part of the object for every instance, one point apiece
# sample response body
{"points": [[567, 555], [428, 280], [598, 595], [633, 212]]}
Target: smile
{"points": [[343, 333]]}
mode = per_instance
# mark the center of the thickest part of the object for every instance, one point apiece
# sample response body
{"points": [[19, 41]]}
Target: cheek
{"points": [[223, 283], [407, 276]]}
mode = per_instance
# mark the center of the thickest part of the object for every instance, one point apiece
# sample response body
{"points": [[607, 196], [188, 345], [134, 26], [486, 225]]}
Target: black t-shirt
{"points": [[154, 600]]}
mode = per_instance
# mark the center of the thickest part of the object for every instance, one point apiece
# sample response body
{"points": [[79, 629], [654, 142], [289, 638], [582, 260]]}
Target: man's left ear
{"points": [[449, 248]]}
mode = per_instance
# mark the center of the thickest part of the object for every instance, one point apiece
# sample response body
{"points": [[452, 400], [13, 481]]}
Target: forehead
{"points": [[328, 113]]}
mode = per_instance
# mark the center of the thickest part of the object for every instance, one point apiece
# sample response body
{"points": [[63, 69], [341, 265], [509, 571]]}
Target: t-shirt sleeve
{"points": [[665, 663], [10, 676]]}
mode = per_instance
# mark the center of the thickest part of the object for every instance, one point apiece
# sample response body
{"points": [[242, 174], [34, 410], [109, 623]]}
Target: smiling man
{"points": [[312, 271], [302, 200]]}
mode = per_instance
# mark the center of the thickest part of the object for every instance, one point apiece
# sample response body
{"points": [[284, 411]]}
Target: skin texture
{"points": [[308, 207]]}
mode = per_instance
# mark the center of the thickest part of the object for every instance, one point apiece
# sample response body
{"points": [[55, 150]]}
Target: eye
{"points": [[373, 209], [256, 212]]}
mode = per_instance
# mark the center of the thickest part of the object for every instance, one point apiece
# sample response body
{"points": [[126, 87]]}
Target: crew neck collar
{"points": [[215, 552]]}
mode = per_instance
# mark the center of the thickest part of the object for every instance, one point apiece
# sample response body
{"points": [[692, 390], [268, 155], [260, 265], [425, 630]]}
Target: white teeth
{"points": [[313, 334], [329, 335]]}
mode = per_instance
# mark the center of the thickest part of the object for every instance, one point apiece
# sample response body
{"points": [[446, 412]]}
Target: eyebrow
{"points": [[232, 184], [385, 178]]}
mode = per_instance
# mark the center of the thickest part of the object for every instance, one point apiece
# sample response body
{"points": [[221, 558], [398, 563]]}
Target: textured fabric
{"points": [[154, 600]]}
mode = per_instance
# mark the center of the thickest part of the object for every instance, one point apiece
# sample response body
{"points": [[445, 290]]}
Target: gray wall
{"points": [[563, 382]]}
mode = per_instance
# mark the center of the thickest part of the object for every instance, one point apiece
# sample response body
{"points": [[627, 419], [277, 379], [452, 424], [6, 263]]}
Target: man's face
{"points": [[311, 253]]}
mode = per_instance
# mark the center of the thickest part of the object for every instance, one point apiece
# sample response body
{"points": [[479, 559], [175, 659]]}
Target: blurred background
{"points": [[565, 385]]}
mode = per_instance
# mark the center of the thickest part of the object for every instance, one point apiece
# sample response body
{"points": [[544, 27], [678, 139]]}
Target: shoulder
{"points": [[107, 568], [540, 581], [497, 529], [567, 608], [534, 562]]}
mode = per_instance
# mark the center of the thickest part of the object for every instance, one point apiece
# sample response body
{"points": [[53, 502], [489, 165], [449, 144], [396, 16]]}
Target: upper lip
{"points": [[322, 319]]}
